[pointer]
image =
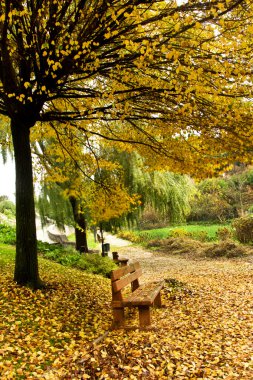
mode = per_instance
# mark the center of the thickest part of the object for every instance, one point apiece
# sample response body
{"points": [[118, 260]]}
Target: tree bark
{"points": [[26, 262], [80, 227]]}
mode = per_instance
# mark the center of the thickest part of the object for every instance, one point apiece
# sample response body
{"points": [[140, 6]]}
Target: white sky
{"points": [[7, 179]]}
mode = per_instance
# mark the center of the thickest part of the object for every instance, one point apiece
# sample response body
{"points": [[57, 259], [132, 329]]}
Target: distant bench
{"points": [[143, 296], [60, 239], [121, 261]]}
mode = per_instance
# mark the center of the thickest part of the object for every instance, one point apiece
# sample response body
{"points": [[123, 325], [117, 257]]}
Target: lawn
{"points": [[90, 240], [203, 332], [209, 230], [7, 253]]}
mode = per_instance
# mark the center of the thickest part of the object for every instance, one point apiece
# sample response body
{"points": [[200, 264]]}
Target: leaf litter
{"points": [[204, 330]]}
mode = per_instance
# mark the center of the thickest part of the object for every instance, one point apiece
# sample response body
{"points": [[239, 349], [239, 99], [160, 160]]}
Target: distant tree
{"points": [[53, 207], [166, 193], [239, 192], [5, 139], [209, 203], [63, 211], [3, 198], [6, 206], [81, 178], [221, 199]]}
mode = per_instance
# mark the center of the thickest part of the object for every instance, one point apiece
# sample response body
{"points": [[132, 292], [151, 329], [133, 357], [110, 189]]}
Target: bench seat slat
{"points": [[144, 295]]}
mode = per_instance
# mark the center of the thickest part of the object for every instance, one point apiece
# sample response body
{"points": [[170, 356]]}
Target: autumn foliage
{"points": [[204, 331], [173, 81]]}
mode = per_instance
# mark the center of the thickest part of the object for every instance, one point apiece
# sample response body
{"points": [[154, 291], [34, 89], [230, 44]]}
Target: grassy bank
{"points": [[196, 231]]}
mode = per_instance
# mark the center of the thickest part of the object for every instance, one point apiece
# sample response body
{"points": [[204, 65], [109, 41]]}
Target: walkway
{"points": [[159, 265]]}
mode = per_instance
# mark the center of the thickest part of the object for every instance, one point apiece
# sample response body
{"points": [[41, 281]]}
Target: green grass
{"points": [[201, 232], [91, 263], [7, 256], [7, 253], [90, 239], [192, 228]]}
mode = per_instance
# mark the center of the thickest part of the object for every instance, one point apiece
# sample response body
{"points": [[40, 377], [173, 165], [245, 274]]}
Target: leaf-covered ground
{"points": [[204, 331]]}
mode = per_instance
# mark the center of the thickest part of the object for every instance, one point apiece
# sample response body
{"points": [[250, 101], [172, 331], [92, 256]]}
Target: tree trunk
{"points": [[26, 263], [80, 227]]}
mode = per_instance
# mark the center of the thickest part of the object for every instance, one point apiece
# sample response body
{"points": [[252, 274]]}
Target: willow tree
{"points": [[75, 172], [165, 192], [162, 71]]}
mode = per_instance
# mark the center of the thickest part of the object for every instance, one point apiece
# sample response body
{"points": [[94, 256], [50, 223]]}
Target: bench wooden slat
{"points": [[120, 284], [118, 273], [144, 295]]}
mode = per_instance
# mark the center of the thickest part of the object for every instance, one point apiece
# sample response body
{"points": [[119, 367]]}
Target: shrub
{"points": [[243, 229], [201, 236], [143, 237], [154, 243], [91, 263], [128, 235], [196, 235], [179, 233], [7, 234], [225, 249], [151, 219], [7, 207], [94, 263], [224, 233]]}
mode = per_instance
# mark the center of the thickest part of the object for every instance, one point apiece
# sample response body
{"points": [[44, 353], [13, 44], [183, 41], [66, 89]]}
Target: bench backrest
{"points": [[123, 276]]}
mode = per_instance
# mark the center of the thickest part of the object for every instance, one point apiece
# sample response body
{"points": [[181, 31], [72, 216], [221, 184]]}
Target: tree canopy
{"points": [[172, 80], [115, 67]]}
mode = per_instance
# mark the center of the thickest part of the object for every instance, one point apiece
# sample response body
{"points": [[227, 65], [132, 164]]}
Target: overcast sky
{"points": [[7, 179]]}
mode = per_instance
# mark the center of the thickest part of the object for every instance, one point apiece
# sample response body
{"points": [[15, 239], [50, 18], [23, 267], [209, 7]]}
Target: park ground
{"points": [[204, 330]]}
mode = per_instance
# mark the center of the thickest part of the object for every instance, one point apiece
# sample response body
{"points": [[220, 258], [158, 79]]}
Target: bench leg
{"points": [[158, 300], [118, 318], [144, 316]]}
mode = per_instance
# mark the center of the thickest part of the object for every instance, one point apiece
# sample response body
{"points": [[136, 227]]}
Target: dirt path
{"points": [[116, 242], [159, 266], [204, 330]]}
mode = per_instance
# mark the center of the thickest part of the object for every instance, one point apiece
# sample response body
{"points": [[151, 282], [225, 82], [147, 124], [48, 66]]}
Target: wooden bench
{"points": [[121, 261], [143, 296], [60, 239]]}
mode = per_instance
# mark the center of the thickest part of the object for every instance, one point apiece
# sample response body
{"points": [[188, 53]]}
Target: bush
{"points": [[180, 233], [128, 235], [243, 229], [134, 237], [7, 234], [151, 219], [195, 235], [226, 249], [224, 233], [200, 236], [139, 238], [143, 238], [7, 207], [94, 263], [91, 263]]}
